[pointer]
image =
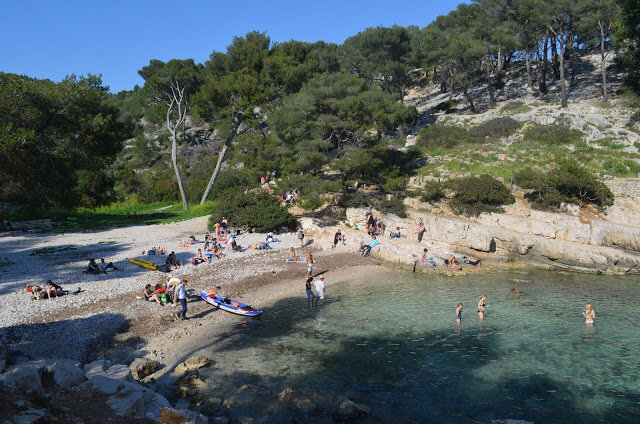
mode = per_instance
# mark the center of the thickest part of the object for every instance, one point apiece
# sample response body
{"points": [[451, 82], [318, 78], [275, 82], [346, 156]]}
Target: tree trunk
{"points": [[237, 120], [528, 63], [555, 62], [603, 56], [451, 88], [174, 161], [492, 98], [466, 96], [542, 69], [563, 86]]}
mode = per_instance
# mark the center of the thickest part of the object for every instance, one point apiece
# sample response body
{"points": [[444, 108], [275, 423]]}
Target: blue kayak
{"points": [[229, 305]]}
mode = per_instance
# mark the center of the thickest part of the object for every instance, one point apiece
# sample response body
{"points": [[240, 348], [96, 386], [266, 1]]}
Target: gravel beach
{"points": [[109, 318]]}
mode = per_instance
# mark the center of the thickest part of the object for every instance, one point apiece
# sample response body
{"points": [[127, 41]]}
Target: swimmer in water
{"points": [[459, 313], [589, 314], [517, 291], [481, 306]]}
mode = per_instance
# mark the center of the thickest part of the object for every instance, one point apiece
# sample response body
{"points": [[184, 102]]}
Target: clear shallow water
{"points": [[393, 343]]}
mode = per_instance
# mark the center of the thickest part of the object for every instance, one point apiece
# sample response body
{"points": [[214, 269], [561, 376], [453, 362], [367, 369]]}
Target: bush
{"points": [[496, 128], [552, 134], [444, 136], [394, 206], [395, 184], [566, 183], [255, 209], [512, 108], [475, 195], [431, 192], [366, 200], [445, 106]]}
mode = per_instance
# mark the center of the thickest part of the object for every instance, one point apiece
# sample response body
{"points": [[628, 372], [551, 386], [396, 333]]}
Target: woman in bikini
{"points": [[481, 306], [589, 314], [459, 313]]}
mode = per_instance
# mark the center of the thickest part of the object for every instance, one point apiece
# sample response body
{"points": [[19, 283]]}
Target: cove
{"points": [[392, 343]]}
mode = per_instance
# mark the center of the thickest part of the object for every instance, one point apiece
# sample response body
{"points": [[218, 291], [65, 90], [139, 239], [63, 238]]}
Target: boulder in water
{"points": [[349, 410]]}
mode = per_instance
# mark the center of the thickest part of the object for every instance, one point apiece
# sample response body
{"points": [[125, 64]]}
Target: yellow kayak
{"points": [[144, 263]]}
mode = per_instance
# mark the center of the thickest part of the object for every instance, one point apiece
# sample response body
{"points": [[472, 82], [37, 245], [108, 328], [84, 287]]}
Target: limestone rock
{"points": [[192, 363], [128, 401], [349, 410], [140, 368], [66, 374], [253, 389], [103, 384], [118, 372], [29, 416], [153, 404], [24, 377], [190, 379], [96, 368], [181, 416]]}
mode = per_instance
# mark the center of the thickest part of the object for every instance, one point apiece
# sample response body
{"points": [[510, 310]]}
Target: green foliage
{"points": [[627, 41], [446, 105], [552, 134], [255, 209], [361, 199], [568, 182], [475, 195], [56, 141], [515, 107], [431, 191], [395, 184], [441, 136], [496, 128], [310, 188]]}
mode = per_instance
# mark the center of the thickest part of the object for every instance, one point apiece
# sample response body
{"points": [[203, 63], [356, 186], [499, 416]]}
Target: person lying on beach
{"points": [[429, 260], [470, 261], [150, 295], [155, 251], [53, 290], [104, 267]]}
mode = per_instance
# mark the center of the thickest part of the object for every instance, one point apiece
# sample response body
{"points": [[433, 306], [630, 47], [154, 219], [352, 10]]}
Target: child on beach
{"points": [[459, 313], [589, 314]]}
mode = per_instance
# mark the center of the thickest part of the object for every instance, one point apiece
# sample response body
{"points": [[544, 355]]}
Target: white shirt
{"points": [[319, 286], [181, 292]]}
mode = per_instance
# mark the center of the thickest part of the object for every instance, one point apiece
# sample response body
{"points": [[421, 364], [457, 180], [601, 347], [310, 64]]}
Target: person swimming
{"points": [[589, 314]]}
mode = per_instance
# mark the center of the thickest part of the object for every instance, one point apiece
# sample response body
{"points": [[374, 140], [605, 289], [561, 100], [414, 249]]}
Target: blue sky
{"points": [[52, 39]]}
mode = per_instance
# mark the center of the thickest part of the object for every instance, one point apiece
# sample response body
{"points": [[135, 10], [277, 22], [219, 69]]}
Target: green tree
{"points": [[627, 41], [56, 140], [171, 84]]}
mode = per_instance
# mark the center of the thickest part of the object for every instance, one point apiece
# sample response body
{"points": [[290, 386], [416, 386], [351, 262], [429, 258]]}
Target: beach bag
{"points": [[36, 295], [164, 298]]}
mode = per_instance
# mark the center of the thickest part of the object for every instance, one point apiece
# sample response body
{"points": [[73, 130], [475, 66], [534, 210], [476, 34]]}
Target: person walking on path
{"points": [[310, 294], [181, 295], [309, 263], [319, 290], [301, 236]]}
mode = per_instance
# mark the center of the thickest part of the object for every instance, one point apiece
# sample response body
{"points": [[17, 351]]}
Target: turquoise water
{"points": [[392, 343]]}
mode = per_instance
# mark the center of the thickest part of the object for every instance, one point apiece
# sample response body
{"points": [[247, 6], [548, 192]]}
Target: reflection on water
{"points": [[393, 343]]}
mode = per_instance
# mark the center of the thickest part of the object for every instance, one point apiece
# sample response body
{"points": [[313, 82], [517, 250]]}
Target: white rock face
{"points": [[23, 377], [66, 373]]}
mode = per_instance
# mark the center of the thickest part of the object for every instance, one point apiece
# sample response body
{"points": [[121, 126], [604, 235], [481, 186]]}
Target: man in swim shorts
{"points": [[309, 263]]}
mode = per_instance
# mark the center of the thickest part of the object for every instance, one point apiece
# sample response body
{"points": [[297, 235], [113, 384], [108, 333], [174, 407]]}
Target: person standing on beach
{"points": [[319, 290], [589, 314], [181, 295], [309, 263], [301, 236], [481, 306], [459, 313], [310, 294]]}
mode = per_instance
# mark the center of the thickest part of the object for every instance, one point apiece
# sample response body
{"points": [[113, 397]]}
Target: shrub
{"points": [[366, 200], [552, 134], [512, 108], [475, 195], [443, 136], [431, 192], [394, 206], [395, 184], [445, 106], [255, 209], [566, 183], [496, 128]]}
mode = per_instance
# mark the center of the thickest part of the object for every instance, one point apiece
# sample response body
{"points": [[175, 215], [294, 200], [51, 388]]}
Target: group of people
{"points": [[173, 291], [315, 291], [290, 196], [375, 227], [48, 291], [481, 309], [100, 268]]}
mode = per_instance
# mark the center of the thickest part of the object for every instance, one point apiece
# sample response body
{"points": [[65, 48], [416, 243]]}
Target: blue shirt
{"points": [[374, 243]]}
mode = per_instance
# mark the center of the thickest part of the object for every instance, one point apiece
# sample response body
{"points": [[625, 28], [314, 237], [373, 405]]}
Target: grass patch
{"points": [[113, 216], [513, 108], [553, 134]]}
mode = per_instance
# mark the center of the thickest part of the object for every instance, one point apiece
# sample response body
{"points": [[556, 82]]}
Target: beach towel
{"points": [[299, 260]]}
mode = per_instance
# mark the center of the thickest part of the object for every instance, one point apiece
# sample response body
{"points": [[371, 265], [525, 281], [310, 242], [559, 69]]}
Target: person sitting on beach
{"points": [[150, 295], [53, 290], [395, 234], [172, 261], [270, 238], [471, 262], [380, 228], [199, 258], [216, 251], [429, 260], [93, 267], [106, 266], [366, 249], [451, 262]]}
